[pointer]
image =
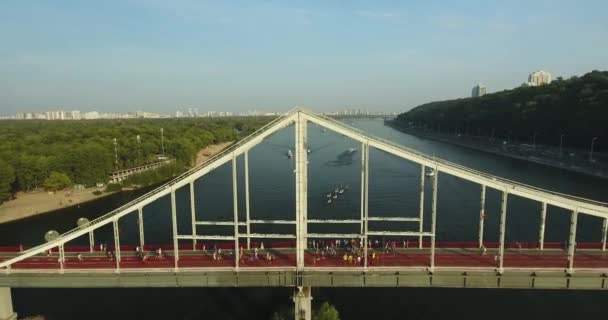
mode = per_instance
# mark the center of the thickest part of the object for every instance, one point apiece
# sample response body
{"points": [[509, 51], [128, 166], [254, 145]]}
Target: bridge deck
{"points": [[457, 257]]}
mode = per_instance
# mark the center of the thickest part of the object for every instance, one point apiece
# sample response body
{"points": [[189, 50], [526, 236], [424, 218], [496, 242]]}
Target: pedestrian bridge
{"points": [[368, 258]]}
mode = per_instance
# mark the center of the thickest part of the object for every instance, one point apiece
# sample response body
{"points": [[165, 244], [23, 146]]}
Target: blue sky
{"points": [[158, 55]]}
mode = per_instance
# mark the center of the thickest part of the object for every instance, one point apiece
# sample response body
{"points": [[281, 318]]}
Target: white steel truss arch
{"points": [[300, 118]]}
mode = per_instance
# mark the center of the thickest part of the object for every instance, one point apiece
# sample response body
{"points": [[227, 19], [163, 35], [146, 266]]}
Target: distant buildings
{"points": [[94, 115], [538, 78], [478, 91]]}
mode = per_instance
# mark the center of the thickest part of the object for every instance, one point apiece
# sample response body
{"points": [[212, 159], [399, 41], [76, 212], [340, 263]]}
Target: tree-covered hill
{"points": [[576, 108], [84, 150]]}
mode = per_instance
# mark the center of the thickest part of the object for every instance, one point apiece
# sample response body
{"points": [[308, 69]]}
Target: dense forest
{"points": [[35, 154], [576, 108]]}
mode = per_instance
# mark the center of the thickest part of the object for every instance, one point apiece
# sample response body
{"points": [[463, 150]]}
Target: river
{"points": [[394, 191]]}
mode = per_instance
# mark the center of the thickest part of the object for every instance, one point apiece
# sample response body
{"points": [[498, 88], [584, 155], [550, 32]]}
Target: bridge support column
{"points": [[541, 232], [174, 229], [6, 305], [116, 244], [604, 234], [302, 299], [421, 225], [364, 198], [434, 218], [193, 215], [301, 172], [503, 224], [235, 205], [92, 241], [247, 209], [140, 214], [482, 215], [572, 240], [61, 257]]}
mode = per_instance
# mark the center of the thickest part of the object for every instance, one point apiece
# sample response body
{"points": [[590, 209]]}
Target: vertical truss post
{"points": [[365, 203], [503, 223], [92, 241], [247, 208], [482, 214], [362, 186], [61, 257], [572, 240], [140, 217], [434, 218], [604, 233], [193, 215], [301, 172], [116, 243], [235, 206], [541, 231], [421, 223], [174, 223]]}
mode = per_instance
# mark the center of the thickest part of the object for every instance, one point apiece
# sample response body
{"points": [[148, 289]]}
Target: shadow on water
{"points": [[343, 159]]}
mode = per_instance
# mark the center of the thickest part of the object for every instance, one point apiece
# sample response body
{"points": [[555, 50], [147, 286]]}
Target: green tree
{"points": [[326, 312], [7, 177], [57, 181]]}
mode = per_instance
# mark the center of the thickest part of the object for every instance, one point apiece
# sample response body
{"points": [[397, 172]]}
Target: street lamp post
{"points": [[139, 149], [561, 142], [591, 151]]}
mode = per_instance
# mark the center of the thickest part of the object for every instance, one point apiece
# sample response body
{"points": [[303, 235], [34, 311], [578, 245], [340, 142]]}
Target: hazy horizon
{"points": [[159, 56]]}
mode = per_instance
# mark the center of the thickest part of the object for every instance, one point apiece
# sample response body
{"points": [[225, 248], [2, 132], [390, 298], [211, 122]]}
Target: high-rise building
{"points": [[538, 78], [75, 115], [478, 90], [91, 115]]}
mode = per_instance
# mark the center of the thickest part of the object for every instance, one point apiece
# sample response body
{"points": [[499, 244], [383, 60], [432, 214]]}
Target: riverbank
{"points": [[571, 160], [211, 150], [27, 204]]}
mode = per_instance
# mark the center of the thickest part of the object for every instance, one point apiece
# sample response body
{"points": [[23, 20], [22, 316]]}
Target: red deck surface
{"points": [[458, 257]]}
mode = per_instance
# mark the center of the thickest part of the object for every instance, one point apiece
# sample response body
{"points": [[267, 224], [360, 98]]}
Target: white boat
{"points": [[289, 154], [341, 191], [329, 200], [430, 173], [308, 151], [335, 196], [329, 195]]}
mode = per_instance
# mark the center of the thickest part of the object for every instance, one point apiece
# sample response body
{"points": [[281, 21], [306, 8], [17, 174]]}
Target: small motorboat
{"points": [[335, 196], [329, 195], [289, 154], [430, 173], [329, 200]]}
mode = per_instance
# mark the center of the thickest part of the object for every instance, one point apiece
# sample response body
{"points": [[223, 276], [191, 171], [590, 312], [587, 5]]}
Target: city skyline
{"points": [[190, 113], [232, 56]]}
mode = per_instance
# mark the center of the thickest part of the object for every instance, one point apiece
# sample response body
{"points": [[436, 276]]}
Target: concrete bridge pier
{"points": [[6, 305], [303, 307]]}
